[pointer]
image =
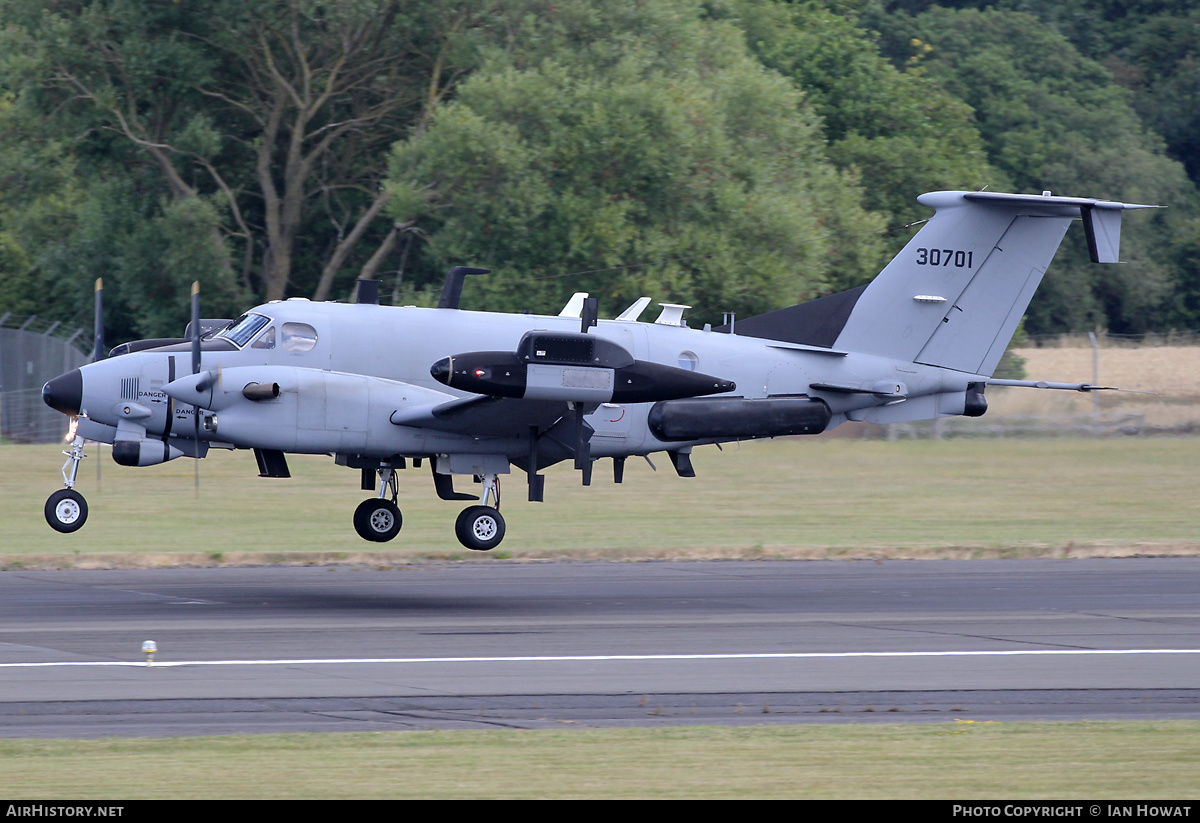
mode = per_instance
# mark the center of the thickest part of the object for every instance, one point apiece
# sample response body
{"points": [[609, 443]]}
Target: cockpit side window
{"points": [[242, 331], [266, 340], [298, 337]]}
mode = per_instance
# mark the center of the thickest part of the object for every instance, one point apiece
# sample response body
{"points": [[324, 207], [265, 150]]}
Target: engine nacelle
{"points": [[572, 367], [292, 409]]}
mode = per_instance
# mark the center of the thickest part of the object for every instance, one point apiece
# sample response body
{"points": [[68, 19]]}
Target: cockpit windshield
{"points": [[243, 330]]}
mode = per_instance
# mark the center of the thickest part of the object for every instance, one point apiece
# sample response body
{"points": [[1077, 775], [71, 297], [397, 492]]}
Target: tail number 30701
{"points": [[945, 257]]}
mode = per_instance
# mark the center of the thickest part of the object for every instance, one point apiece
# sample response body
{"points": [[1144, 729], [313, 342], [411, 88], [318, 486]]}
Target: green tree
{"points": [[896, 128], [632, 133], [265, 126], [1052, 119], [1150, 47], [37, 194]]}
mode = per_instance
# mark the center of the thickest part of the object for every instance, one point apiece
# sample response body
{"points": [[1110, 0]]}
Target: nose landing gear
{"points": [[66, 510]]}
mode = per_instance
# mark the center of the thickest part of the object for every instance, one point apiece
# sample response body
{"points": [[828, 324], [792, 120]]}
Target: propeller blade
{"points": [[195, 327], [98, 340], [196, 370], [98, 351]]}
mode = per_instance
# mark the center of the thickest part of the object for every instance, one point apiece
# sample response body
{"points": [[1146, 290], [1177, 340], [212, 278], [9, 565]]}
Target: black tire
{"points": [[377, 520], [479, 528], [66, 511]]}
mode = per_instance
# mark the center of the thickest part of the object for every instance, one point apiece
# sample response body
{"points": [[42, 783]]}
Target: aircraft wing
{"points": [[534, 386], [484, 416]]}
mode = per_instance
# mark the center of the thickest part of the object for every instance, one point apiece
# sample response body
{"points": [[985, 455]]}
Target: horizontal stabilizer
{"points": [[1101, 218]]}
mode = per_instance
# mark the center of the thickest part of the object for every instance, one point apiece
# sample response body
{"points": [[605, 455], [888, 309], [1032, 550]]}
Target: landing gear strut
{"points": [[481, 528], [378, 519], [66, 510]]}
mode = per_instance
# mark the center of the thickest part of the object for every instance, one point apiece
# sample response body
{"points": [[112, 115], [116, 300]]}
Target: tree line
{"points": [[734, 155]]}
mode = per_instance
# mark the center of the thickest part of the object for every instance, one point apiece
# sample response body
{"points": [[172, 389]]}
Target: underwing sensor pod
{"points": [[384, 389], [738, 418]]}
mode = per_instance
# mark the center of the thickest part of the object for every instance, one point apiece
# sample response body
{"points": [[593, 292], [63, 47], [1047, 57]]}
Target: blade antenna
{"points": [[589, 314]]}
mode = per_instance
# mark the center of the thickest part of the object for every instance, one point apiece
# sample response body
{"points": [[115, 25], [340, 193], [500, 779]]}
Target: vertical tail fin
{"points": [[954, 295]]}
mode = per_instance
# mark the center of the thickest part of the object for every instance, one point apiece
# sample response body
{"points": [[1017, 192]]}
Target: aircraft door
{"points": [[613, 421]]}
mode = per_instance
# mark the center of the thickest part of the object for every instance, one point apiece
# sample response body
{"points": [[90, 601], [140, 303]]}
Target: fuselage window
{"points": [[243, 330], [298, 337]]}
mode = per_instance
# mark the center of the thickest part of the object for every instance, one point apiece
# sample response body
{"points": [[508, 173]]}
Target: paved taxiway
{"points": [[536, 645]]}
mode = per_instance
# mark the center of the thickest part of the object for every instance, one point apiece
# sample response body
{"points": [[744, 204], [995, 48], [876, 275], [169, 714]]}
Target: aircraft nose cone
{"points": [[441, 370], [65, 392]]}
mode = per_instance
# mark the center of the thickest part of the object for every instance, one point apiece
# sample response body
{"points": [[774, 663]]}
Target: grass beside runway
{"points": [[807, 498], [960, 761], [795, 498]]}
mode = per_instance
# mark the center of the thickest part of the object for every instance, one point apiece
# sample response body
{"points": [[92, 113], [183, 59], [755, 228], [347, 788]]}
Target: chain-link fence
{"points": [[1188, 337], [33, 351]]}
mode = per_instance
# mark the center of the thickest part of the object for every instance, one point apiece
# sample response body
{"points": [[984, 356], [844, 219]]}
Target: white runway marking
{"points": [[601, 658]]}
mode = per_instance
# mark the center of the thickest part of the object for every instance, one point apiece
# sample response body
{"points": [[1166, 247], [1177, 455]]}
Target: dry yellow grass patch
{"points": [[1170, 375], [1171, 371]]}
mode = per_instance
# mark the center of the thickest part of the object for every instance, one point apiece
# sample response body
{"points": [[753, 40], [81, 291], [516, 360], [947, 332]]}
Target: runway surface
{"points": [[615, 644]]}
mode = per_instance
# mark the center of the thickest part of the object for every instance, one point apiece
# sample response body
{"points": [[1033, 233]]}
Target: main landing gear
{"points": [[378, 519], [479, 528], [66, 510]]}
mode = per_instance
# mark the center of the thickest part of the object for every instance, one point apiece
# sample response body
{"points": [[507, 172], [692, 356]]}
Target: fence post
{"points": [[1095, 382]]}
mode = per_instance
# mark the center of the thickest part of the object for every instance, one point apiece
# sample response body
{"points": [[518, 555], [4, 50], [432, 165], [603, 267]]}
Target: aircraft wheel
{"points": [[377, 520], [479, 528], [66, 510]]}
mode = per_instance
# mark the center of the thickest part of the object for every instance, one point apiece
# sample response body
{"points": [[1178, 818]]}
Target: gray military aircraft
{"points": [[474, 393]]}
